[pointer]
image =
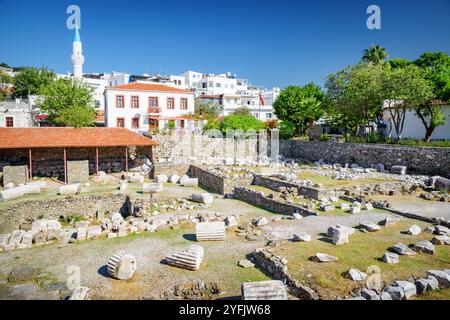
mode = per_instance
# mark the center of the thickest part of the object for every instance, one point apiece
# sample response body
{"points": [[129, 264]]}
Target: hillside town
{"points": [[204, 186]]}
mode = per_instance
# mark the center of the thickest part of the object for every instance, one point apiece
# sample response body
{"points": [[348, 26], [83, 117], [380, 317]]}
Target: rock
{"points": [[369, 206], [11, 194], [54, 235], [424, 246], [53, 225], [441, 230], [136, 179], [395, 292], [301, 237], [333, 230], [162, 178], [94, 232], [402, 249], [231, 221], [260, 221], [344, 206], [205, 198], [40, 237], [16, 237], [390, 258], [69, 189], [39, 225], [355, 209], [401, 170], [122, 265], [152, 187], [174, 178], [80, 293], [123, 186], [323, 257], [385, 296], [27, 238], [22, 274], [188, 182], [409, 288], [81, 233], [441, 240], [190, 259], [442, 277], [326, 208], [4, 240], [340, 237], [424, 285], [414, 230], [369, 226], [210, 231], [389, 220], [297, 216], [246, 264], [428, 230], [264, 290], [356, 275], [369, 294]]}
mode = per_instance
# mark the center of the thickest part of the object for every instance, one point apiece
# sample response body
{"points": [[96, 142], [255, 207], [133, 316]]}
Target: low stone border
{"points": [[209, 180], [257, 198], [277, 267]]}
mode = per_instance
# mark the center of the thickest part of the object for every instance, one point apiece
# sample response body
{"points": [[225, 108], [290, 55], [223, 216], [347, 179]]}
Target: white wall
{"points": [[415, 129]]}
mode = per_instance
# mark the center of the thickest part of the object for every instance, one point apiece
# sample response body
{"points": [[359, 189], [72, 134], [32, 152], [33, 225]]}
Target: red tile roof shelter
{"points": [[32, 138]]}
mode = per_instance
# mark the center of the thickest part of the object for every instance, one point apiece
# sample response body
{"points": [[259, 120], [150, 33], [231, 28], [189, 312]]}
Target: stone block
{"points": [[264, 290], [69, 189], [210, 231], [190, 259], [121, 265], [15, 174], [77, 171]]}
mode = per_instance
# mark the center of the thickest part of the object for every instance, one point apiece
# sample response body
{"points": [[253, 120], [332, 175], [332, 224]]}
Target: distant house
{"points": [[16, 114], [413, 127], [146, 106]]}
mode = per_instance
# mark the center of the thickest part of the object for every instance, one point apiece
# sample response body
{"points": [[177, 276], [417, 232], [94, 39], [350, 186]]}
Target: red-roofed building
{"points": [[146, 106]]}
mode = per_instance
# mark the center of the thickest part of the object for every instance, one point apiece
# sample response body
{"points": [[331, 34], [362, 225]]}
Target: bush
{"points": [[324, 137], [287, 129], [212, 124], [244, 123], [170, 124]]}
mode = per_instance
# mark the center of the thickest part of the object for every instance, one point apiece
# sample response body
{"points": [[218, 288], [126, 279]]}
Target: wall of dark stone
{"points": [[419, 160]]}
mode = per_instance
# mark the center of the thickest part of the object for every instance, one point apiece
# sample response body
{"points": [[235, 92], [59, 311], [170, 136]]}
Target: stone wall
{"points": [[189, 147], [257, 198], [15, 174], [86, 206], [419, 160], [276, 266], [209, 180], [77, 171], [274, 184]]}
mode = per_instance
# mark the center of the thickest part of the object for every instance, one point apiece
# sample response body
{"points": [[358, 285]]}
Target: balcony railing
{"points": [[154, 110]]}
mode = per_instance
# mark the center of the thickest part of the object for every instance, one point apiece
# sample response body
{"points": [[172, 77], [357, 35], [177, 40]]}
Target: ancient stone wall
{"points": [[276, 266], [257, 198], [419, 160], [85, 206], [209, 180], [77, 171], [274, 184], [15, 174]]}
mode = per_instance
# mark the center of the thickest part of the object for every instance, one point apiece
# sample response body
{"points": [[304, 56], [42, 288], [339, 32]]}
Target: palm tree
{"points": [[375, 54]]}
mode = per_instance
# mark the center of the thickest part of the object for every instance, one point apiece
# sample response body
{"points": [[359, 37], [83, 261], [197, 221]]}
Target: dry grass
{"points": [[364, 250]]}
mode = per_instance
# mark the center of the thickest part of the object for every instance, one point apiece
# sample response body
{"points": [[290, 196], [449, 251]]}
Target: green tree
{"points": [[375, 54], [30, 81], [207, 110], [242, 111], [404, 89], [5, 84], [436, 68], [286, 129], [244, 123], [300, 105], [68, 103], [399, 63]]}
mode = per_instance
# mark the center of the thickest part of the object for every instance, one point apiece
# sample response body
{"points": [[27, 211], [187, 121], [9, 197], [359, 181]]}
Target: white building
{"points": [[144, 106], [16, 114], [413, 126]]}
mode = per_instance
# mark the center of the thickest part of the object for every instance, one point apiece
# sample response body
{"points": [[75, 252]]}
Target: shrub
{"points": [[324, 137], [287, 129], [244, 123]]}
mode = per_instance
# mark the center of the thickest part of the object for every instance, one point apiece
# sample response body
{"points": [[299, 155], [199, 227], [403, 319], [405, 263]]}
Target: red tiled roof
{"points": [[16, 138], [149, 87]]}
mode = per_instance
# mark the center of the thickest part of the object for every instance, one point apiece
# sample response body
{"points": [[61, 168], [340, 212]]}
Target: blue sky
{"points": [[269, 42]]}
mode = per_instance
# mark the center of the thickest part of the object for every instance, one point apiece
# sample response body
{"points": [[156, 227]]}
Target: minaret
{"points": [[77, 56]]}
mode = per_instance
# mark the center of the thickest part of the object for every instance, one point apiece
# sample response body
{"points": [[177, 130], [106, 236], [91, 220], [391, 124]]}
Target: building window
{"points": [[134, 101], [184, 103], [269, 115], [135, 123], [9, 122], [153, 105], [120, 101], [120, 122], [211, 84], [170, 103], [218, 85]]}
